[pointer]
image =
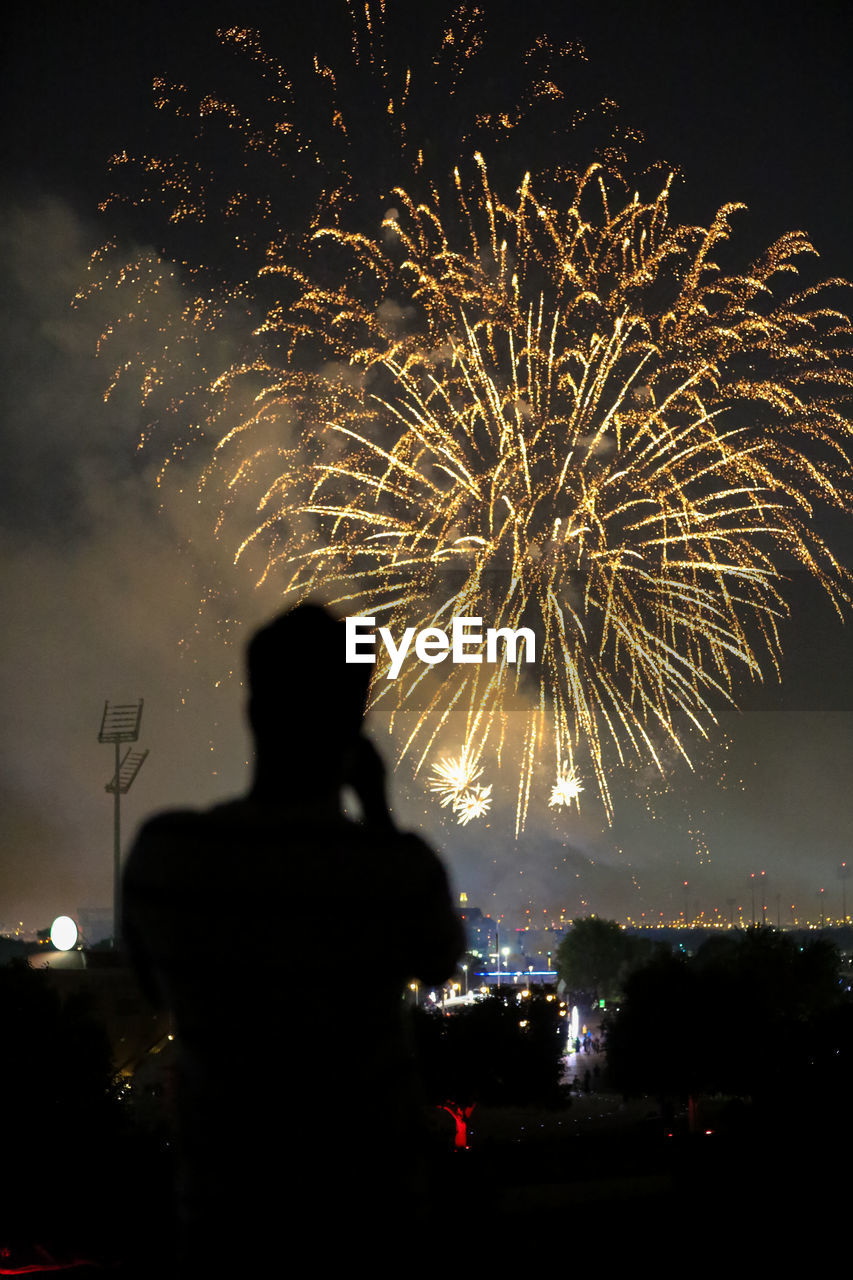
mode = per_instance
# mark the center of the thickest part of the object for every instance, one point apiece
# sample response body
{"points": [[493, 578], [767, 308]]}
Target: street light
{"points": [[843, 873], [505, 952], [764, 900], [120, 724]]}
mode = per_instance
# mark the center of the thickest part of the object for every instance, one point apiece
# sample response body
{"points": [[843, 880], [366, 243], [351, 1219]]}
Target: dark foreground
{"points": [[596, 1175]]}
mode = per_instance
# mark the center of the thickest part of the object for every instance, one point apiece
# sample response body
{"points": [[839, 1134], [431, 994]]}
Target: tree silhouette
{"points": [[596, 955], [745, 1017]]}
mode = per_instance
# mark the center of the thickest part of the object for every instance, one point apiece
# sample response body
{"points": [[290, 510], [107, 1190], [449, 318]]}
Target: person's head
{"points": [[306, 704]]}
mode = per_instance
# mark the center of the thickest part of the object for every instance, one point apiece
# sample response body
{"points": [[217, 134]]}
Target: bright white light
{"points": [[566, 789], [63, 933]]}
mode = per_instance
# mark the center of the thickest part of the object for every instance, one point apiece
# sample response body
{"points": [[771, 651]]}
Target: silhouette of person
{"points": [[281, 934]]}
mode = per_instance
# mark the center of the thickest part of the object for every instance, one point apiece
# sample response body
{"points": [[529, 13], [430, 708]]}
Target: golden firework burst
{"points": [[582, 426]]}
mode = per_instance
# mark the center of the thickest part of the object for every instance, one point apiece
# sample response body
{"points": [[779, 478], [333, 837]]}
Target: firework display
{"points": [[537, 401]]}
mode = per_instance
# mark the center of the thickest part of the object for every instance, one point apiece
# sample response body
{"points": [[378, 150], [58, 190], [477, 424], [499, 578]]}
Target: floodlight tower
{"points": [[120, 724]]}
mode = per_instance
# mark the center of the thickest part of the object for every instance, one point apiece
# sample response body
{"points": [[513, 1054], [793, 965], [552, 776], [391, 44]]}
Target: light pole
{"points": [[843, 873], [120, 724], [763, 900], [502, 951]]}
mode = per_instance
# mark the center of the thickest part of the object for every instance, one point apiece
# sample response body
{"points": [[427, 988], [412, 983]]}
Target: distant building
{"points": [[480, 930], [538, 946]]}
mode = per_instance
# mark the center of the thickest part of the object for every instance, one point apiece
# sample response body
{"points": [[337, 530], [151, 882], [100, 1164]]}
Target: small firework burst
{"points": [[452, 777], [473, 803], [566, 789]]}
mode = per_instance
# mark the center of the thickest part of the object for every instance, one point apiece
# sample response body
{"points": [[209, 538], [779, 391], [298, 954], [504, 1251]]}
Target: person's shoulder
{"points": [[416, 846], [171, 824], [418, 858], [181, 823], [160, 840], [171, 818]]}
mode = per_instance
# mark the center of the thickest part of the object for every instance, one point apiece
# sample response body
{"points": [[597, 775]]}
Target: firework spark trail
{"points": [[546, 407]]}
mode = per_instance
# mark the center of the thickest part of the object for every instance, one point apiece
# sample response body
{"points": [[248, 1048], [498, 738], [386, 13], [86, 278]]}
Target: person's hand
{"points": [[364, 772]]}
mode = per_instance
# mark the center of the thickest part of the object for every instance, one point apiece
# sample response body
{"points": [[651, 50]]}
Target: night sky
{"points": [[106, 577]]}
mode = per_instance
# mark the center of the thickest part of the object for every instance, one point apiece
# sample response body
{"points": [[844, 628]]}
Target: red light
{"points": [[460, 1115]]}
